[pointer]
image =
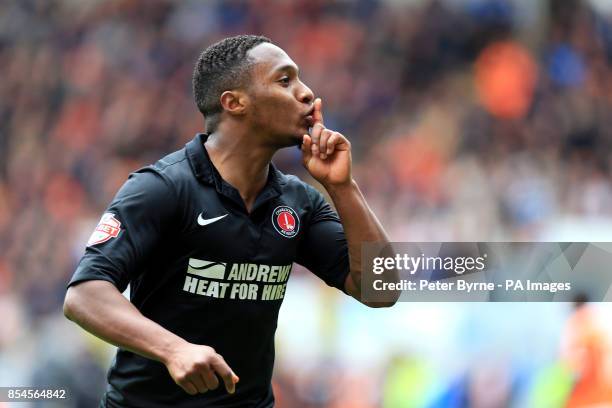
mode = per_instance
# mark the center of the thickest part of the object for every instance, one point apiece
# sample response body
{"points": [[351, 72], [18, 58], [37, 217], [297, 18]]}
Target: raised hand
{"points": [[326, 154]]}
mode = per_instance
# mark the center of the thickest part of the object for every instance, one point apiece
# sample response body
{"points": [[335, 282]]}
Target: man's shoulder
{"points": [[172, 165], [173, 168], [170, 173]]}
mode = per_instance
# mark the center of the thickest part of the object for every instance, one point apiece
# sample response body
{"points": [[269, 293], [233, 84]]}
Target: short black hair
{"points": [[221, 67]]}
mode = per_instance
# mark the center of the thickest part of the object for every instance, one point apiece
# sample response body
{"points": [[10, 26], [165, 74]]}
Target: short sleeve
{"points": [[323, 248], [128, 231]]}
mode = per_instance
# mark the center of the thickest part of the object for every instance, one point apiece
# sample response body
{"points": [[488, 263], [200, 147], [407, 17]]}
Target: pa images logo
{"points": [[285, 221]]}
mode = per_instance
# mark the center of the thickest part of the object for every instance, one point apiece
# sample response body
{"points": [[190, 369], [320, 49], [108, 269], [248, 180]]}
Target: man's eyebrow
{"points": [[288, 67]]}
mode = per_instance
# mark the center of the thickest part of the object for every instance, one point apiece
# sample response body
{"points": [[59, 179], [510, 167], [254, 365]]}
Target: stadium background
{"points": [[470, 120]]}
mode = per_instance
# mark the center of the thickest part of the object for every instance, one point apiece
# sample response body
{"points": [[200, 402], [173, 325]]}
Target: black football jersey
{"points": [[204, 268]]}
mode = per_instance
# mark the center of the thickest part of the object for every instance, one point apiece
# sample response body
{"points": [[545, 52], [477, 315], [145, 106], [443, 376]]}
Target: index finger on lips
{"points": [[318, 125], [317, 114]]}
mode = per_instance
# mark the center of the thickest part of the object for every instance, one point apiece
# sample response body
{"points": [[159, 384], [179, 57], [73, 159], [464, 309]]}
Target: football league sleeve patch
{"points": [[108, 228]]}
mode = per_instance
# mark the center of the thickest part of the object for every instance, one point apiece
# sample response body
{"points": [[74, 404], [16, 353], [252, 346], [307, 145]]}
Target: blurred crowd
{"points": [[470, 119]]}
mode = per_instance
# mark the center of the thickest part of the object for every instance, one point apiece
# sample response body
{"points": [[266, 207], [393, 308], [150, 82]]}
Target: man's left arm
{"points": [[327, 157], [360, 225]]}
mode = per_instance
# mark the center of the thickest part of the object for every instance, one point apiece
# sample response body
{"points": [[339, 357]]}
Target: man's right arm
{"points": [[127, 235], [98, 307]]}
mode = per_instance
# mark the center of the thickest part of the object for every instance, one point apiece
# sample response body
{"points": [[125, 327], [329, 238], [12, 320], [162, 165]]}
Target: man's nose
{"points": [[306, 96]]}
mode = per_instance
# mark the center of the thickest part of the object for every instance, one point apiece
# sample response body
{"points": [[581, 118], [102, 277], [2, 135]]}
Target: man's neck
{"points": [[242, 161]]}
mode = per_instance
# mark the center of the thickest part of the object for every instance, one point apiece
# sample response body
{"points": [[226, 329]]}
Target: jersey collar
{"points": [[206, 172]]}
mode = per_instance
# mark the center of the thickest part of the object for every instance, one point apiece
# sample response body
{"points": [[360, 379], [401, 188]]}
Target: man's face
{"points": [[280, 104]]}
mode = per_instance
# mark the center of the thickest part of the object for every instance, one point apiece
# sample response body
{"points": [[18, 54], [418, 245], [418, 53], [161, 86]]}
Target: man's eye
{"points": [[284, 80]]}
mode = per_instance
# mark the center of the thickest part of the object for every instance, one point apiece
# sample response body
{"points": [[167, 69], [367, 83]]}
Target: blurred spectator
{"points": [[586, 351]]}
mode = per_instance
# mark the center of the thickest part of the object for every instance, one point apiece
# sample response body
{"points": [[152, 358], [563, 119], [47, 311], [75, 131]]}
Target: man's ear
{"points": [[234, 102]]}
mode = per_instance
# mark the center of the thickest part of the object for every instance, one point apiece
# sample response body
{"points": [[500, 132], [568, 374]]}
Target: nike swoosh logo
{"points": [[203, 221]]}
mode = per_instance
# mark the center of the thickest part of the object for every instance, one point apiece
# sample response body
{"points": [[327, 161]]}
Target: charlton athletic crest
{"points": [[108, 227], [285, 221]]}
